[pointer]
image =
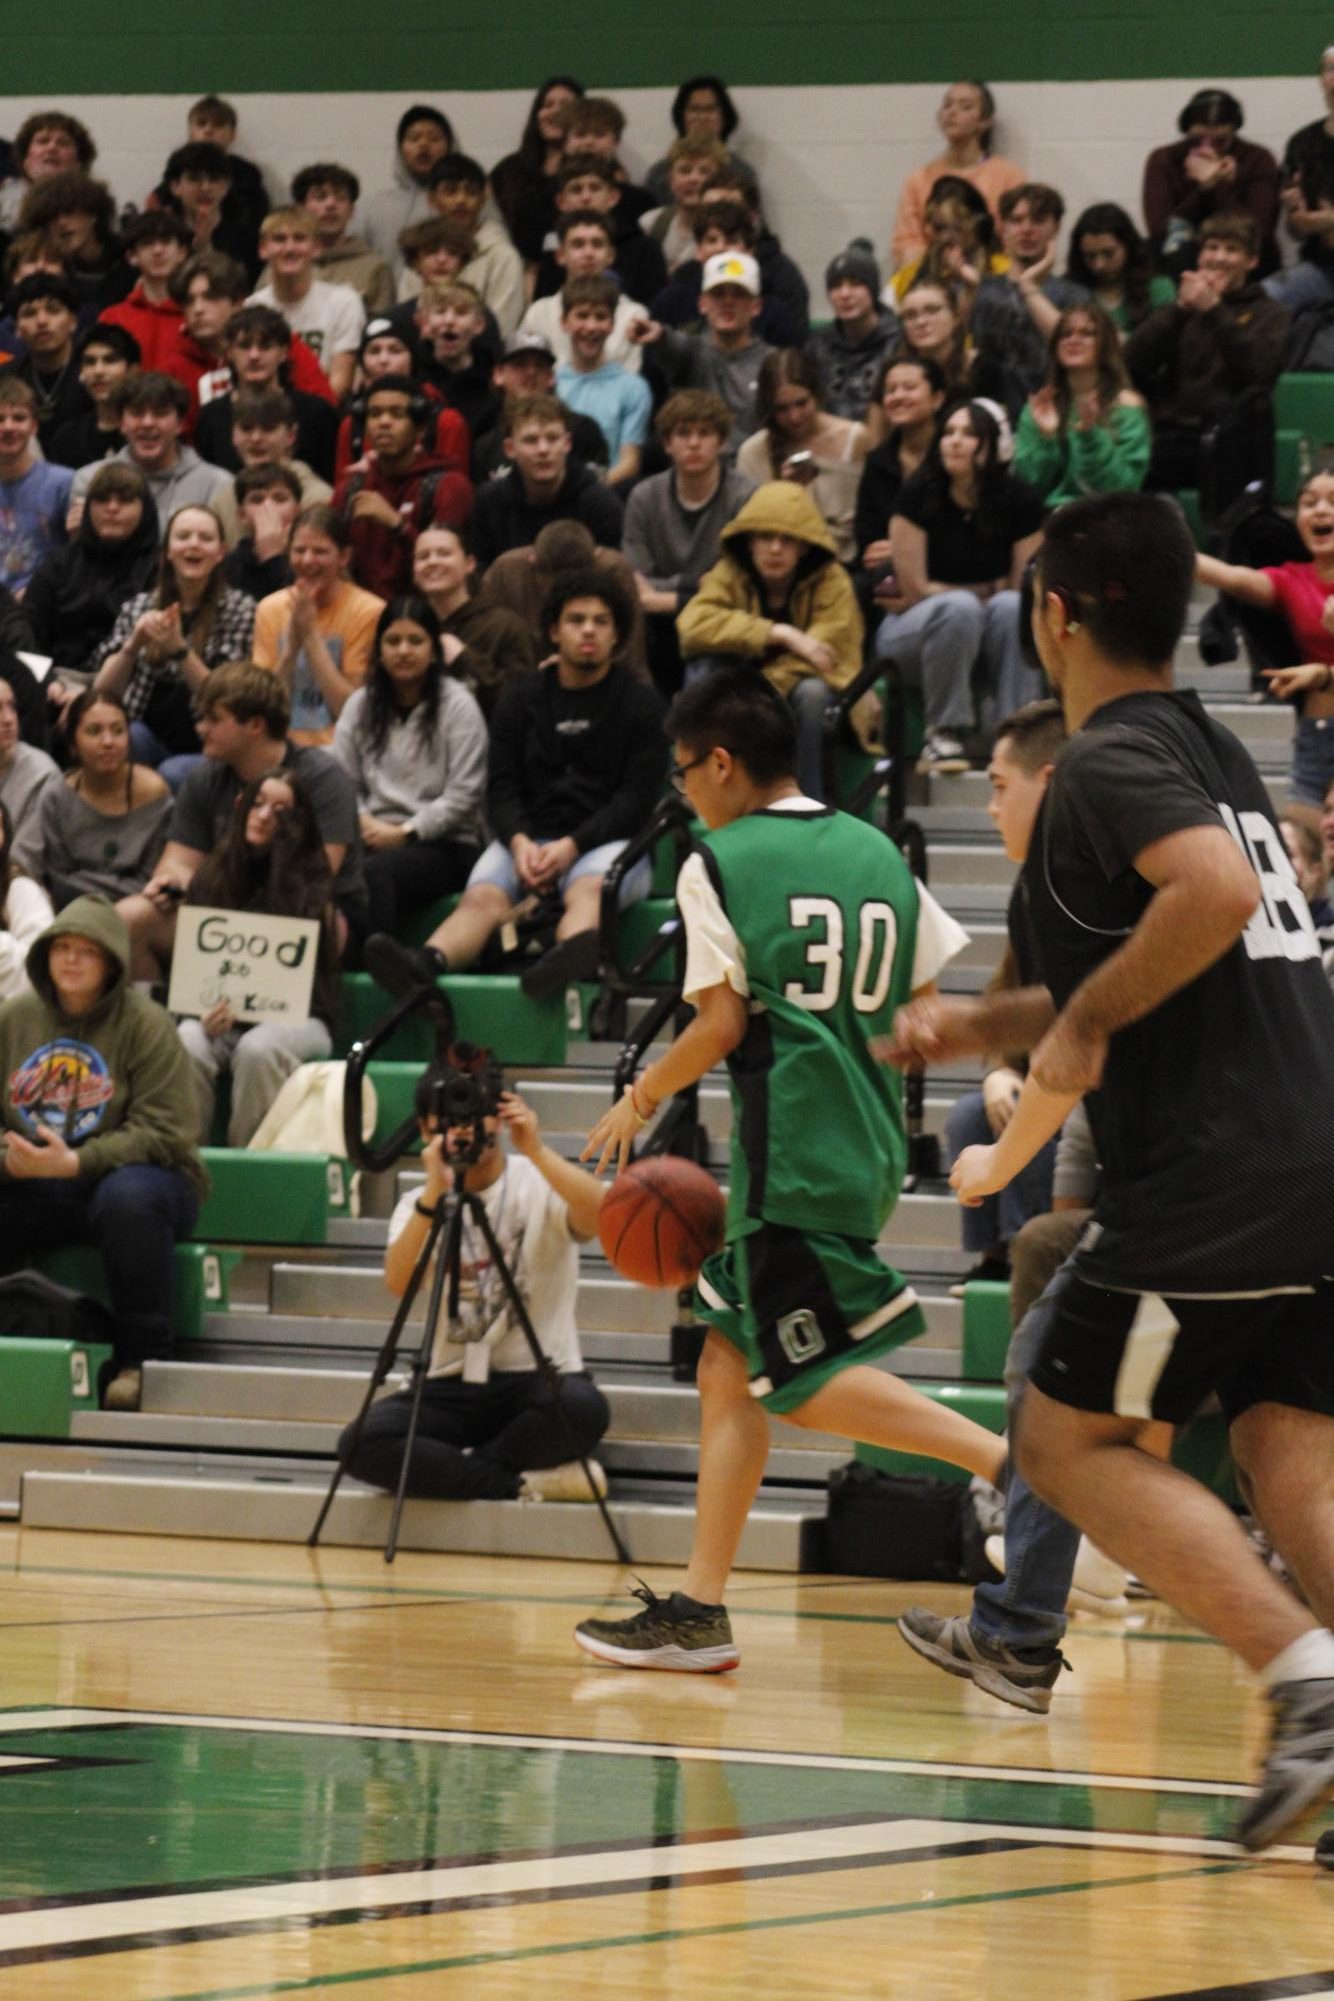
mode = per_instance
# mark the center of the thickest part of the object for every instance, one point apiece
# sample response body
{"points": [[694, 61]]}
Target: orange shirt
{"points": [[347, 627], [991, 177]]}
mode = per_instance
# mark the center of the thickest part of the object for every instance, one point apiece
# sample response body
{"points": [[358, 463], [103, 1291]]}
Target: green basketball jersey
{"points": [[825, 909]]}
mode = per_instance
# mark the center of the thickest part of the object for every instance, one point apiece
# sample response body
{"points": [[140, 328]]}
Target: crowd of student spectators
{"points": [[296, 500]]}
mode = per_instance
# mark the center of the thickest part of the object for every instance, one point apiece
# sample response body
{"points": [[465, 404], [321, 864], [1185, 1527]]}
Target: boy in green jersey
{"points": [[805, 930]]}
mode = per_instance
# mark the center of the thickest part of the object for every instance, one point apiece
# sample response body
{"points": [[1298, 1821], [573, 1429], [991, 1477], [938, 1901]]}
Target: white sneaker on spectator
{"points": [[1098, 1585], [567, 1482], [942, 753]]}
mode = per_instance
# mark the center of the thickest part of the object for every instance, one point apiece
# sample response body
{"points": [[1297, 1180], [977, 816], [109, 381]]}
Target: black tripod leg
{"points": [[545, 1366], [445, 1266], [384, 1362]]}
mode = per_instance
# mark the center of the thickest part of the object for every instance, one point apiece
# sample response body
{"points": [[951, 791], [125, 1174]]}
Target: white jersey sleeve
{"points": [[714, 953], [939, 939]]}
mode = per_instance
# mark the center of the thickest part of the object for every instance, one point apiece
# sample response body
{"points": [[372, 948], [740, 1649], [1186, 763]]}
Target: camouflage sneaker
{"points": [[952, 1644], [670, 1633], [1299, 1769]]}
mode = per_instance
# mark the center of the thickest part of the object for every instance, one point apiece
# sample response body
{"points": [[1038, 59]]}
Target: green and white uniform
{"points": [[815, 918]]}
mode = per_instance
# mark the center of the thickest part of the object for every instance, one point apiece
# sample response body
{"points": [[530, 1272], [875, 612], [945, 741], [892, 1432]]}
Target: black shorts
{"points": [[1136, 1354]]}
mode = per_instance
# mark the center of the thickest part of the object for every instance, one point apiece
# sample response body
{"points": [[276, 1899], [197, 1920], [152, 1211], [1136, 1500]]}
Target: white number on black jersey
{"points": [[877, 935], [1281, 928]]}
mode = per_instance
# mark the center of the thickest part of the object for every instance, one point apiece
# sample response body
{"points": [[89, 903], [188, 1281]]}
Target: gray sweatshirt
{"points": [[191, 482], [22, 782], [670, 544], [435, 786], [692, 361]]}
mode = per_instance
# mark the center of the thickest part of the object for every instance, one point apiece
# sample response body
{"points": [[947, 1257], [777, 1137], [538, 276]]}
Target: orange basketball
{"points": [[660, 1220]]}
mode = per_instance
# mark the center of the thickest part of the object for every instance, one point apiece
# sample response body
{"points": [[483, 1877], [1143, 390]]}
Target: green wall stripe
{"points": [[679, 1932], [326, 45]]}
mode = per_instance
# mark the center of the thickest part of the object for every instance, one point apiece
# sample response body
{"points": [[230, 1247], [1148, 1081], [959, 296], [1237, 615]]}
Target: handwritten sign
{"points": [[263, 966]]}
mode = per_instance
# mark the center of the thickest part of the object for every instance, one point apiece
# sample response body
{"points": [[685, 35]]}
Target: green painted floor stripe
{"points": [[585, 1599], [681, 1932]]}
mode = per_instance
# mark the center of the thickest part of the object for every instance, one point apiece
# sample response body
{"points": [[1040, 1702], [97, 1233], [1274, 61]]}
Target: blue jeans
{"points": [[1303, 288], [135, 1216], [1027, 1608], [146, 748], [1312, 758], [995, 1223]]}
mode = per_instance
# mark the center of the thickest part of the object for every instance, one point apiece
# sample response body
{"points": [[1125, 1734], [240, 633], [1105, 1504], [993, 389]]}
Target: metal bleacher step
{"points": [[276, 1501], [950, 863]]}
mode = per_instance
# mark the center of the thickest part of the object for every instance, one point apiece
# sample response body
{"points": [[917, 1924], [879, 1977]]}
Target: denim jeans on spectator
{"points": [[946, 642], [997, 1221], [135, 1216], [1312, 759], [1303, 288], [495, 865], [146, 748]]}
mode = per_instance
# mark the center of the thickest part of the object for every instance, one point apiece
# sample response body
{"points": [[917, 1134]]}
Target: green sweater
{"points": [[1113, 457], [113, 1083]]}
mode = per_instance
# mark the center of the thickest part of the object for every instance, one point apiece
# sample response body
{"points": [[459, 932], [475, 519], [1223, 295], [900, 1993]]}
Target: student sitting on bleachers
{"points": [[25, 911], [102, 828], [489, 1426], [25, 773], [270, 861], [98, 1129], [1085, 430], [413, 742]]}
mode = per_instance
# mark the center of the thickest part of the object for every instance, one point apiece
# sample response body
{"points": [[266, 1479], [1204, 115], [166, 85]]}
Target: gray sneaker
{"points": [[672, 1633], [953, 1645], [1299, 1769]]}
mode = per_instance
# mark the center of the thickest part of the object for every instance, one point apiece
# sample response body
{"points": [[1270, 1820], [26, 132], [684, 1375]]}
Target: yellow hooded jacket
{"points": [[727, 613]]}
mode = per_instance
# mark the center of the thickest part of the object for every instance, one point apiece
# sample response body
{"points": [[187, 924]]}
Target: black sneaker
{"points": [[1024, 1680], [994, 1270], [1299, 1768], [402, 969], [672, 1633], [1324, 1849], [571, 959]]}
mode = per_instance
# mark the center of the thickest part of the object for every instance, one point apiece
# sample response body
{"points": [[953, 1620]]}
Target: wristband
{"points": [[430, 1212]]}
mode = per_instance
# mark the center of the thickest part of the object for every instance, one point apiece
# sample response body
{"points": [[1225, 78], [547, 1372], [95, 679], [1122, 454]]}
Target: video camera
{"points": [[459, 1092]]}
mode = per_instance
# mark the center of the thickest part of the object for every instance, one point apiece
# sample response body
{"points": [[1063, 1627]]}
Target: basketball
{"points": [[660, 1220]]}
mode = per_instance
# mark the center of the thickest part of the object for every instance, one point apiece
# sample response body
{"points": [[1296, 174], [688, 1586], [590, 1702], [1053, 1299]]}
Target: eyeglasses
{"points": [[679, 771]]}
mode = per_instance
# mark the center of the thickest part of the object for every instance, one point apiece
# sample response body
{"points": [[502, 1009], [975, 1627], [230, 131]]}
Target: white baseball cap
{"points": [[732, 267]]}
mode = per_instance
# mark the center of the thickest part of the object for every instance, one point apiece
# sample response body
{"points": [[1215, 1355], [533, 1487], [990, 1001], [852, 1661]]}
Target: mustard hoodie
{"points": [[728, 615], [114, 1083]]}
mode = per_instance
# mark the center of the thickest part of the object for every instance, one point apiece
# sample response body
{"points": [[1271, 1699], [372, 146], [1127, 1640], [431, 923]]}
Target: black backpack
{"points": [[34, 1308]]}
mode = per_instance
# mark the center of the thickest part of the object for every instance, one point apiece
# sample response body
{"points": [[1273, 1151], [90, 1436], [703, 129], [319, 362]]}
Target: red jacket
{"points": [[452, 441], [155, 323], [429, 494]]}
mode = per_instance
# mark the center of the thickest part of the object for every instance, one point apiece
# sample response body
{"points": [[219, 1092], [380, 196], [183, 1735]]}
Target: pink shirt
{"points": [[1302, 598], [991, 177]]}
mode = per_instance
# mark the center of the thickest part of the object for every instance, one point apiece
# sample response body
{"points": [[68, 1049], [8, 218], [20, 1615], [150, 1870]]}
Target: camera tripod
{"points": [[447, 1229]]}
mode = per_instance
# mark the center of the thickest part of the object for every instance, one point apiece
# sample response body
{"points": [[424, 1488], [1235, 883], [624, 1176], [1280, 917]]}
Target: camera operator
{"points": [[489, 1427]]}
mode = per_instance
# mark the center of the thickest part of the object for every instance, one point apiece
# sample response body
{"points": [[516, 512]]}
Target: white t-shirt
{"points": [[329, 319], [532, 1224], [543, 318], [715, 954]]}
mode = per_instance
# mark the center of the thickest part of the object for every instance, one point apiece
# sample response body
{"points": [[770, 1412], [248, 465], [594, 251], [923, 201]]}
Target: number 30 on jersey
{"points": [[877, 935]]}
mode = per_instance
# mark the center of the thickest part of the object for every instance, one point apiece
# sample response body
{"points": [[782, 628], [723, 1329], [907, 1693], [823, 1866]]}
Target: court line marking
{"points": [[680, 1933], [815, 1761]]}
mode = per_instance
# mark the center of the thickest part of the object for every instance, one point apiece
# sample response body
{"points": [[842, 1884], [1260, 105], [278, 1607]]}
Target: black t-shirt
{"points": [[1309, 158], [204, 804], [586, 762], [1214, 1121], [969, 548]]}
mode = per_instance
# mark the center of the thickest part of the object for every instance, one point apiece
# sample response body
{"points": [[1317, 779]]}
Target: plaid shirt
{"points": [[231, 637]]}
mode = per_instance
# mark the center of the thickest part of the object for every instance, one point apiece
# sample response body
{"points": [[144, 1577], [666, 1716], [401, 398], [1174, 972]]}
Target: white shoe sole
{"points": [[671, 1660]]}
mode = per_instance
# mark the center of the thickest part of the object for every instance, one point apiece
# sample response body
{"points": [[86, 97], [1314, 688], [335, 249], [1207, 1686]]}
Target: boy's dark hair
{"points": [[215, 107], [201, 160], [1034, 734], [596, 114], [105, 333], [323, 519], [720, 91], [414, 115], [737, 179], [326, 174], [1044, 203], [521, 410], [585, 166], [153, 391], [732, 217], [119, 477], [258, 479], [70, 193], [265, 321], [1124, 563], [226, 278], [436, 232], [468, 1059], [156, 225], [265, 407], [456, 170], [604, 292], [400, 385], [247, 691], [43, 285], [589, 583], [56, 121], [735, 709], [694, 406], [1232, 225], [582, 218]]}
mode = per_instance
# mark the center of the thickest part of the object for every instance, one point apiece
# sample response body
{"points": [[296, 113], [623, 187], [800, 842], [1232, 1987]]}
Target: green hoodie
{"points": [[114, 1083]]}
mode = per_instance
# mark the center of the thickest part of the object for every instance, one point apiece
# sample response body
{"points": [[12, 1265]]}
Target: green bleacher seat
{"points": [[42, 1384], [488, 1008], [986, 1330], [1189, 501], [199, 1280], [418, 928], [267, 1198], [640, 924], [1290, 448], [1305, 404]]}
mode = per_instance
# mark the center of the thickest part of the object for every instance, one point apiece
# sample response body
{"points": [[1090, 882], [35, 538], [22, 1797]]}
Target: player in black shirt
{"points": [[1184, 998]]}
